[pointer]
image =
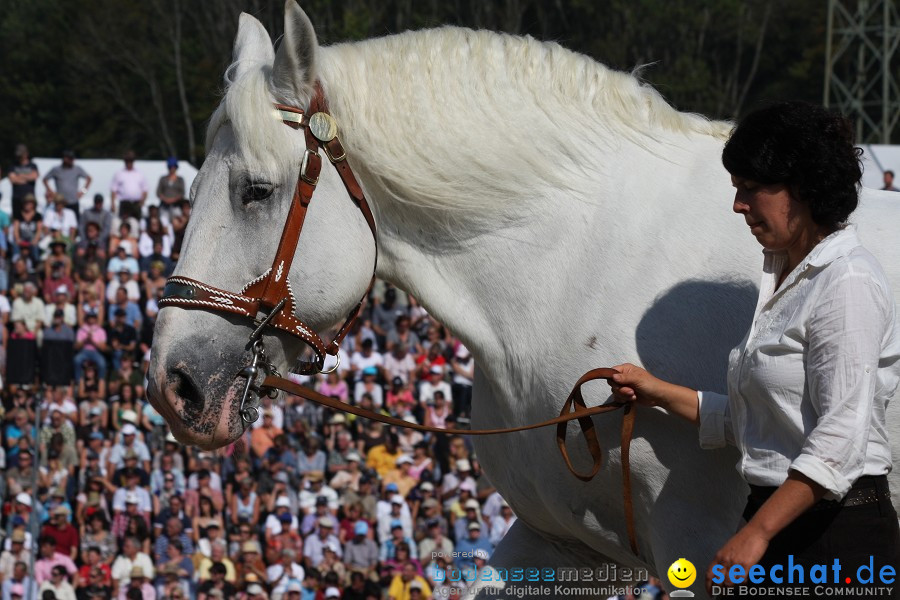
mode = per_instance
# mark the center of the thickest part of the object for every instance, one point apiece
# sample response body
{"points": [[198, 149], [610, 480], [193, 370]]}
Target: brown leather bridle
{"points": [[269, 301]]}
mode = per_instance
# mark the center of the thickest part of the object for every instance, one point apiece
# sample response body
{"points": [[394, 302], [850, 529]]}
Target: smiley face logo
{"points": [[682, 573]]}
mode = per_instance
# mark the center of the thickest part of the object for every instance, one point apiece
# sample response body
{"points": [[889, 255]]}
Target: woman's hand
{"points": [[745, 548], [634, 384]]}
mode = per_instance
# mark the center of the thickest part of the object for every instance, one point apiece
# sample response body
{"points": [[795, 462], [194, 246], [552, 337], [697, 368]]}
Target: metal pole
{"points": [[828, 52], [885, 74], [34, 518]]}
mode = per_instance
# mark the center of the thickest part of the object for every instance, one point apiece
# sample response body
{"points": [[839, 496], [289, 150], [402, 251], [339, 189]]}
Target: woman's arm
{"points": [[634, 384]]}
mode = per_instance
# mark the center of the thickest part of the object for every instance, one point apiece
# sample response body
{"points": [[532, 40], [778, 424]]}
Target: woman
{"points": [[28, 231], [808, 385], [155, 232], [206, 515]]}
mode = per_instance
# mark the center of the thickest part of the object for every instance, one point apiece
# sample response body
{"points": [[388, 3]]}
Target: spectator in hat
{"points": [[61, 222], [435, 382], [408, 585], [281, 518], [137, 586], [128, 189], [316, 487], [428, 508], [310, 520], [250, 567], [66, 178], [369, 386], [397, 536], [434, 541], [121, 261], [453, 480], [22, 175], [466, 546], [60, 529], [501, 524], [58, 584], [170, 190], [284, 572], [391, 507], [57, 268], [59, 298], [361, 552], [102, 217], [365, 358], [49, 558], [314, 544], [124, 278], [400, 475], [90, 343], [129, 441], [16, 553], [472, 514], [349, 477], [394, 565]]}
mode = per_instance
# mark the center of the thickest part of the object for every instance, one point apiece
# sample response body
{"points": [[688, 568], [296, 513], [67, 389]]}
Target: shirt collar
{"points": [[838, 244]]}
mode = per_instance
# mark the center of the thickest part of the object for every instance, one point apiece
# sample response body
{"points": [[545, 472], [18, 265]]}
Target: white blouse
{"points": [[809, 384]]}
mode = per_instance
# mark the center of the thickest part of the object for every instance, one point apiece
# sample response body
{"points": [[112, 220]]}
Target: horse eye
{"points": [[255, 191]]}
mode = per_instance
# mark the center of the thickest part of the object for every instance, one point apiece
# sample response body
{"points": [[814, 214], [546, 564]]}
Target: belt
{"points": [[868, 489]]}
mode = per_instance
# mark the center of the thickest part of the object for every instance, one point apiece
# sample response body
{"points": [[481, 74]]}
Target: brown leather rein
{"points": [[269, 301]]}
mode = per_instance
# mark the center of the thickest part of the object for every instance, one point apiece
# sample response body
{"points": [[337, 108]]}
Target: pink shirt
{"points": [[44, 566], [91, 336], [129, 185]]}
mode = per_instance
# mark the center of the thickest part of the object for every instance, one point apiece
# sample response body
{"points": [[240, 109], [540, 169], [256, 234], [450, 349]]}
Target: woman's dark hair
{"points": [[806, 148]]}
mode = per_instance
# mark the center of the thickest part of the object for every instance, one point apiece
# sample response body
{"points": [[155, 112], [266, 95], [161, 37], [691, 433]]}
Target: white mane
{"points": [[485, 115]]}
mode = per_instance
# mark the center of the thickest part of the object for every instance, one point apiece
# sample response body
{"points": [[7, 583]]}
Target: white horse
{"points": [[554, 214]]}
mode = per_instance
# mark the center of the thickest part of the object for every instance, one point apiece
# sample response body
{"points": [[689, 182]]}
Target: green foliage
{"points": [[100, 76]]}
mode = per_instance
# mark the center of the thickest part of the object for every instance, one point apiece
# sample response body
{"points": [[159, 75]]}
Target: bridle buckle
{"points": [[305, 165]]}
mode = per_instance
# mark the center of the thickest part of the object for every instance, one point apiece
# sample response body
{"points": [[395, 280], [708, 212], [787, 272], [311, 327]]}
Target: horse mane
{"points": [[457, 119]]}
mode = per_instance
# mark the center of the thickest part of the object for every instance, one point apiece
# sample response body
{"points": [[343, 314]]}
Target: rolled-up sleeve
{"points": [[847, 330], [715, 420]]}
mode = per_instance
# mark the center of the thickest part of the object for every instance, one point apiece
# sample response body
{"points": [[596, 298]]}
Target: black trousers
{"points": [[854, 535]]}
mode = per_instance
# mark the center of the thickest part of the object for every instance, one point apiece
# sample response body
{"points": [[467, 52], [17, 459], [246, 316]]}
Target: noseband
{"points": [[269, 300]]}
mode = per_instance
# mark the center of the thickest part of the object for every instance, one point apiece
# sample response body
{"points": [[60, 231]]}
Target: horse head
{"points": [[240, 202]]}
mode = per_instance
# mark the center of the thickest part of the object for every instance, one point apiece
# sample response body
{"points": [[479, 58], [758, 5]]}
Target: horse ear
{"points": [[293, 74], [252, 46]]}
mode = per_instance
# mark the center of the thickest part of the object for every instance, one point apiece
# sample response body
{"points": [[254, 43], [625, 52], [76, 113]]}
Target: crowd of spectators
{"points": [[100, 501]]}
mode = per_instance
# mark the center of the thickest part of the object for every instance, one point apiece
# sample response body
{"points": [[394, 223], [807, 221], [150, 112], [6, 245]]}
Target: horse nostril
{"points": [[186, 388]]}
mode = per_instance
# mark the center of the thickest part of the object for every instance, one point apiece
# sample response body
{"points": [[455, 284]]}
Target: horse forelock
{"points": [[263, 141]]}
